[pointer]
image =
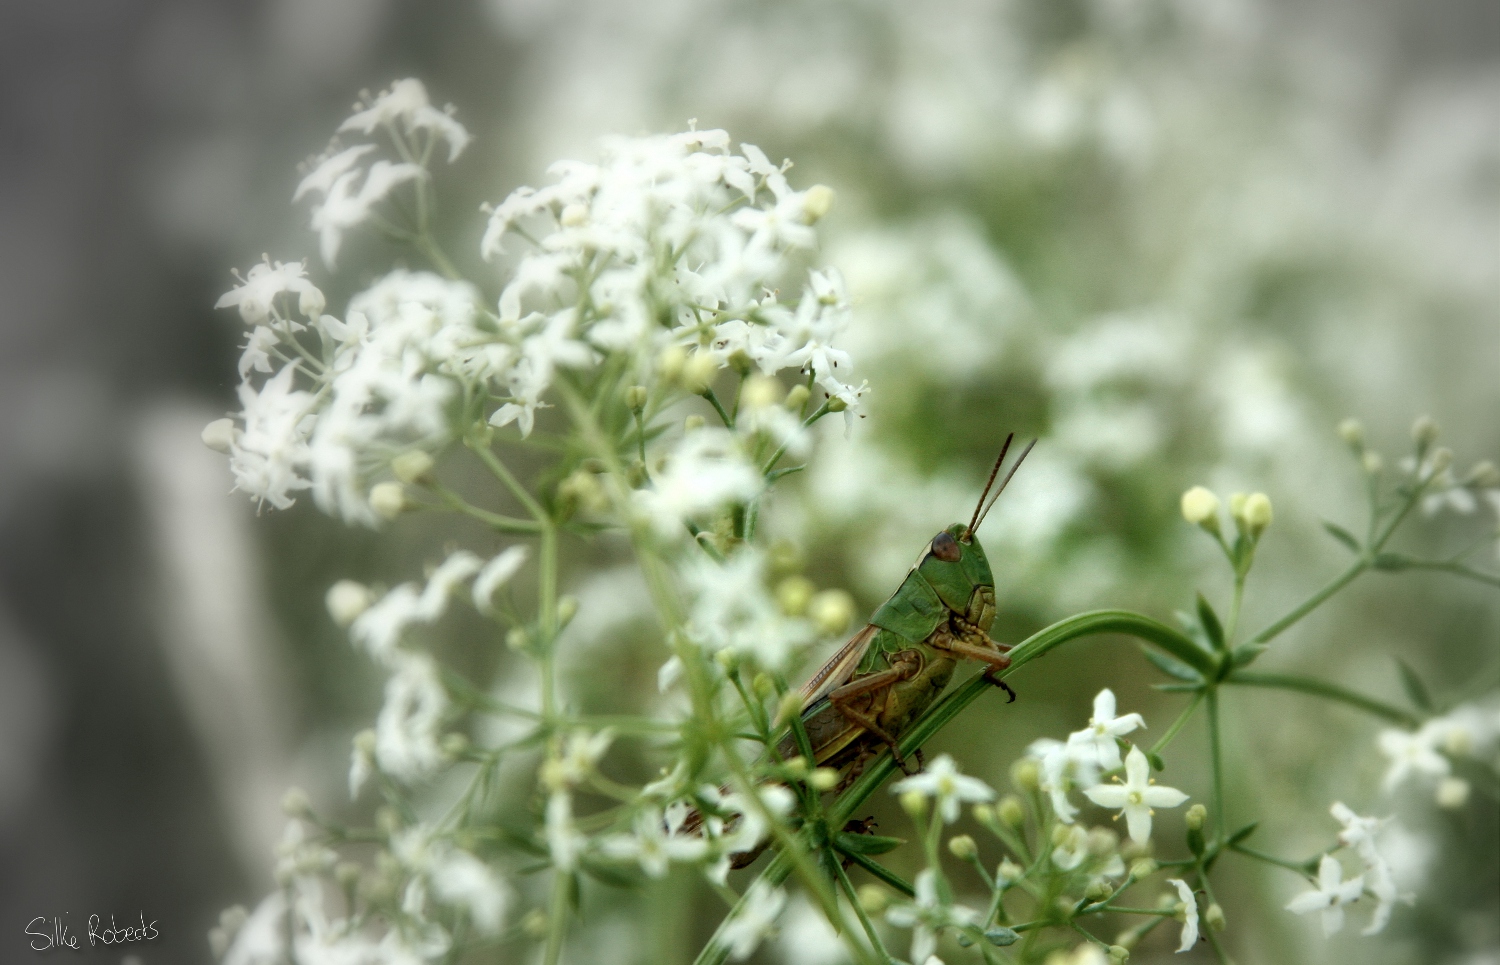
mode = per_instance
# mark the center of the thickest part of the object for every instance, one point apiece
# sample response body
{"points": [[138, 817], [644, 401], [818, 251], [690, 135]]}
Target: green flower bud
{"points": [[914, 803], [295, 803], [1353, 433], [1195, 817], [1103, 842], [1011, 811], [764, 686], [1009, 873], [1143, 868], [699, 372], [962, 847], [534, 924], [671, 362], [1098, 890], [1424, 432], [789, 708], [692, 422], [1025, 774], [796, 768], [454, 745], [1119, 954], [567, 609], [517, 638], [1484, 475], [1442, 458], [1214, 917], [1371, 462], [636, 397], [1452, 793], [797, 397], [388, 821], [411, 467], [836, 404]]}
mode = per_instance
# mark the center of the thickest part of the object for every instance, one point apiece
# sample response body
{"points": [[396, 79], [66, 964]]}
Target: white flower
{"points": [[704, 472], [928, 915], [261, 939], [942, 782], [255, 296], [564, 841], [751, 828], [380, 628], [1189, 912], [1104, 727], [652, 846], [329, 169], [1362, 834], [576, 761], [1412, 752], [407, 728], [1072, 847], [344, 207], [270, 452], [807, 938], [1330, 895], [732, 610], [1136, 796], [456, 877], [753, 920], [1064, 765], [495, 574], [406, 105]]}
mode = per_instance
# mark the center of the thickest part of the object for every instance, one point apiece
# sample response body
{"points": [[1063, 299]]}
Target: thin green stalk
{"points": [[1311, 603], [713, 400], [547, 618], [497, 521], [1450, 566], [1216, 753], [501, 472], [1182, 718], [1301, 869], [859, 911], [557, 919], [1321, 688]]}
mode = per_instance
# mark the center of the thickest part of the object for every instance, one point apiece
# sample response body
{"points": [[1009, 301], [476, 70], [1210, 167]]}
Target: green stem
{"points": [[880, 871], [1320, 688], [547, 618], [492, 461], [1301, 869], [713, 400], [505, 524], [1450, 566], [557, 920]]}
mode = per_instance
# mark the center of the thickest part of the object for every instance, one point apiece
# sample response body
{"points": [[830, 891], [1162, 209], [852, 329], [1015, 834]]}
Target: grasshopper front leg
{"points": [[990, 655], [904, 666]]}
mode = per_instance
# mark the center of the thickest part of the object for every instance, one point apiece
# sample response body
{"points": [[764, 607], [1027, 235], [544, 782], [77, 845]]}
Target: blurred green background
{"points": [[1177, 240]]}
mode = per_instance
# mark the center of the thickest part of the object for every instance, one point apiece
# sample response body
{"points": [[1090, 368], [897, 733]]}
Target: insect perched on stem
{"points": [[890, 672]]}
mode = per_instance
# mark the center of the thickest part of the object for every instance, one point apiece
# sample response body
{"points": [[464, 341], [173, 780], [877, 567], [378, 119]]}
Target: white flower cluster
{"points": [[1078, 762], [1426, 754], [1332, 891], [669, 255]]}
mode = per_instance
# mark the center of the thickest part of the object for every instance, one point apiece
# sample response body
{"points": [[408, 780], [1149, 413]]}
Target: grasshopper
{"points": [[890, 672]]}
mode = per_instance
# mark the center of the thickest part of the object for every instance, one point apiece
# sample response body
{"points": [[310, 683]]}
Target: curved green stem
{"points": [[1311, 603]]}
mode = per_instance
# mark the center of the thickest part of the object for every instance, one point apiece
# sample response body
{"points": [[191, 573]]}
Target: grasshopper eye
{"points": [[945, 547]]}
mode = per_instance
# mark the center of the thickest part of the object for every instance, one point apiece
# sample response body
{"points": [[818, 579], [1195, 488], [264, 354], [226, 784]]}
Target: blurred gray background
{"points": [[165, 667]]}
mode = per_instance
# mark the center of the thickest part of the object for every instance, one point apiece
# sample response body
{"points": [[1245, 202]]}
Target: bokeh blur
{"points": [[1178, 239]]}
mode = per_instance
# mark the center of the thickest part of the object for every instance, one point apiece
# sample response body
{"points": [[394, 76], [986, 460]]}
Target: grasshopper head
{"points": [[954, 564]]}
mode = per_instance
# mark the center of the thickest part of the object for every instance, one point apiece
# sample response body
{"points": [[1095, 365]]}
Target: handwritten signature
{"points": [[58, 933]]}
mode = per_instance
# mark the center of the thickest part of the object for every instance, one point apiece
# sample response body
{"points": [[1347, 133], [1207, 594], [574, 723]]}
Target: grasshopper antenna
{"points": [[1004, 482], [974, 522]]}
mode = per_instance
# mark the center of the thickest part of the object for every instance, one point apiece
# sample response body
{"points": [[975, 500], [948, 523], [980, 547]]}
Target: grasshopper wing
{"points": [[840, 667]]}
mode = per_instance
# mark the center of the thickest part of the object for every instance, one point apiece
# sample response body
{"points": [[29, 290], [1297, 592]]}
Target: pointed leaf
{"points": [[1001, 936], [865, 843], [1171, 666], [1343, 536], [1210, 621], [1243, 833], [1178, 688], [1416, 691], [1246, 654]]}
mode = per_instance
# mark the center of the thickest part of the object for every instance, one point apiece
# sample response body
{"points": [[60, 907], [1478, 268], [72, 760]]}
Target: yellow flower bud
{"points": [[760, 392], [797, 397], [962, 847], [346, 600], [1257, 513], [574, 215], [636, 397], [1214, 917], [823, 778], [671, 361], [692, 423], [1201, 508], [873, 899], [1025, 774], [388, 499], [1195, 817], [1119, 954], [219, 435], [1011, 812], [831, 611], [699, 371], [793, 595], [411, 467], [817, 201], [1452, 793], [914, 803], [1143, 868]]}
